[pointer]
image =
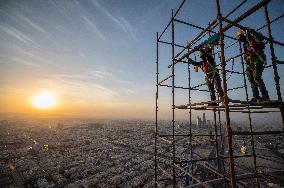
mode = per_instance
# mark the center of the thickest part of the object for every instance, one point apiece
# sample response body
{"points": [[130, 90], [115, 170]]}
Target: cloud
{"points": [[91, 85], [88, 75], [18, 17], [20, 36], [101, 74], [106, 12], [17, 34], [24, 62], [33, 24], [81, 86], [31, 55], [121, 22], [93, 27], [127, 27]]}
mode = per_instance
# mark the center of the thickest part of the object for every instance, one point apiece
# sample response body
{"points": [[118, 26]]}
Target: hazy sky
{"points": [[98, 56]]}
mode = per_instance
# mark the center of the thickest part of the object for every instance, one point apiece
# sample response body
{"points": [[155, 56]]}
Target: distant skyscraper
{"points": [[209, 125], [198, 121], [204, 120]]}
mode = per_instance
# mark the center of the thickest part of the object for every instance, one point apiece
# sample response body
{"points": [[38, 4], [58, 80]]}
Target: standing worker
{"points": [[255, 59], [212, 76]]}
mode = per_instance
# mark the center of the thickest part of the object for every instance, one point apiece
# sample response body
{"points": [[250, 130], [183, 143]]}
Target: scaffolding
{"points": [[176, 166]]}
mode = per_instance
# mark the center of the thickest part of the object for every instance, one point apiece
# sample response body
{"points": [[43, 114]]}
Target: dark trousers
{"points": [[255, 78], [213, 80]]}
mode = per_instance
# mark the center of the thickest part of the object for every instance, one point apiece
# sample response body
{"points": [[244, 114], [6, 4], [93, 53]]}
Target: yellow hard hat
{"points": [[205, 50], [240, 32]]}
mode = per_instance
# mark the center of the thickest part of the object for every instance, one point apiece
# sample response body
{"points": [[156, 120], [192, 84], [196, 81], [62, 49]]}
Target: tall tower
{"points": [[198, 121], [204, 120]]}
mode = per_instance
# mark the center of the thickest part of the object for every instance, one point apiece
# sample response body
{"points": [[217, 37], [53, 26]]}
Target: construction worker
{"points": [[255, 59], [212, 76]]}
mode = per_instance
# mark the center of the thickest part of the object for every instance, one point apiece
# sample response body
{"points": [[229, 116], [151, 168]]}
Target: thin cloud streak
{"points": [[81, 87], [22, 37], [24, 62], [21, 52], [33, 24], [121, 22], [91, 25], [16, 16], [17, 34], [6, 59], [127, 27], [96, 84]]}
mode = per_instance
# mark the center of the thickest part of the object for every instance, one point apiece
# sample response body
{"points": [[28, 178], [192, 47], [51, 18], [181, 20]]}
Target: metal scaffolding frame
{"points": [[223, 171]]}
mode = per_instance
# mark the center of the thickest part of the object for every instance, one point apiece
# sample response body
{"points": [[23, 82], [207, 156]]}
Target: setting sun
{"points": [[44, 100]]}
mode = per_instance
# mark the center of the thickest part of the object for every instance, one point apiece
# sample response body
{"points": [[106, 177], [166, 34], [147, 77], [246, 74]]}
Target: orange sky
{"points": [[65, 106]]}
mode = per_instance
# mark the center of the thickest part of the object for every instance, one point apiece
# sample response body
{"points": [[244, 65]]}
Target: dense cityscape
{"points": [[76, 154], [101, 153]]}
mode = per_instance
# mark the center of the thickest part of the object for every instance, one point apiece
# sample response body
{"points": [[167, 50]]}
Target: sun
{"points": [[44, 100]]}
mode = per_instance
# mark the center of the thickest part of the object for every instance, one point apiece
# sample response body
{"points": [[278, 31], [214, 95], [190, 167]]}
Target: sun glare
{"points": [[44, 100]]}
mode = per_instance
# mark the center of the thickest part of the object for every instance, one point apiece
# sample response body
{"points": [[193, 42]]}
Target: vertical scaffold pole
{"points": [[282, 114], [157, 96], [273, 57], [216, 142], [173, 101], [249, 116], [274, 64], [190, 118], [226, 103]]}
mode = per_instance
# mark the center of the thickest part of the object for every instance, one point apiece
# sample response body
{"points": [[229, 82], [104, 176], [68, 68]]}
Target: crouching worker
{"points": [[255, 59], [212, 77]]}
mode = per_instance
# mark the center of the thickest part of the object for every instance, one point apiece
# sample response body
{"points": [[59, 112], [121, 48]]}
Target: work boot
{"points": [[264, 98], [255, 99]]}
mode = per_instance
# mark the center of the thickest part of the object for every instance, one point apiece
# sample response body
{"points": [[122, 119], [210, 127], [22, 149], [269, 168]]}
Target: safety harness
{"points": [[207, 68], [254, 51]]}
